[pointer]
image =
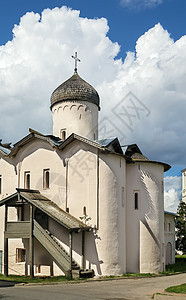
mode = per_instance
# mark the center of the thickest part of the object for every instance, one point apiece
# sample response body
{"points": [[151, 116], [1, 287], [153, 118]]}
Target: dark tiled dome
{"points": [[75, 88]]}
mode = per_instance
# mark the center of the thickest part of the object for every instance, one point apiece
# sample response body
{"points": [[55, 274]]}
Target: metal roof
{"points": [[4, 151], [111, 145], [170, 213], [105, 142], [103, 145]]}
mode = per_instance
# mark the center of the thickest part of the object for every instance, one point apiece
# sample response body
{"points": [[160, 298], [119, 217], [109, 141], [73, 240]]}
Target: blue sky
{"points": [[161, 136]]}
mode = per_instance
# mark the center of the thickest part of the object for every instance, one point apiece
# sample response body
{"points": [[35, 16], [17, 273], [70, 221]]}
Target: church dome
{"points": [[75, 88]]}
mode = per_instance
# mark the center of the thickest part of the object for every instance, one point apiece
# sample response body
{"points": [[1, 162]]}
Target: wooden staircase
{"points": [[56, 250]]}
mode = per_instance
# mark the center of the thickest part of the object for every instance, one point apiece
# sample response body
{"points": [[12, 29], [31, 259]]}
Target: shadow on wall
{"points": [[91, 254], [41, 257]]}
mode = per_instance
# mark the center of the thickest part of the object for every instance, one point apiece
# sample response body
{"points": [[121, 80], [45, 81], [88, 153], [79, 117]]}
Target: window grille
{"points": [[20, 255]]}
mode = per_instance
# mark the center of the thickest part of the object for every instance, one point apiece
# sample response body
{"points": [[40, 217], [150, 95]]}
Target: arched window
{"points": [[46, 178], [27, 180]]}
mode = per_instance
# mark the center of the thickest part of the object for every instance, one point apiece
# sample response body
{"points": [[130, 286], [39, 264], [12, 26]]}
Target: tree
{"points": [[181, 227]]}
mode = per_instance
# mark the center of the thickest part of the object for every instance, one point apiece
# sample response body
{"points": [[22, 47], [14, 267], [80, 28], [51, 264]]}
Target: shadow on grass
{"points": [[16, 279], [7, 283]]}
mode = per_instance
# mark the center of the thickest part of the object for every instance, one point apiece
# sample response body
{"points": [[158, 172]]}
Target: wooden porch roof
{"points": [[35, 198]]}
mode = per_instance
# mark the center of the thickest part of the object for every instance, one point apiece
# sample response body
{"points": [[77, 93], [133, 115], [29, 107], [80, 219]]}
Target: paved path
{"points": [[123, 289]]}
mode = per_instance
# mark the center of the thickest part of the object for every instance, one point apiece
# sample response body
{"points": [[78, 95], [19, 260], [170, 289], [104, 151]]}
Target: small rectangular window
{"points": [[84, 210], [136, 200], [38, 269], [122, 196], [63, 134], [27, 180], [46, 178], [20, 255], [0, 184]]}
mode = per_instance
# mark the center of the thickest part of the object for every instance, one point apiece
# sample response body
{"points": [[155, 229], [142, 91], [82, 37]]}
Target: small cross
{"points": [[76, 60]]}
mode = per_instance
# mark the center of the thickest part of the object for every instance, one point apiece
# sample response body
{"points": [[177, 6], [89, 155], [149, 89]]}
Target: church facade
{"points": [[71, 203]]}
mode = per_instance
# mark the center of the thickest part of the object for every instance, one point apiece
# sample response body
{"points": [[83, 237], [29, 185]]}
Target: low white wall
{"points": [[169, 230]]}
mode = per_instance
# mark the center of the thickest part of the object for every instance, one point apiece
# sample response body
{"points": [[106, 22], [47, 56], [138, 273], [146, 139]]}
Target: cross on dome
{"points": [[76, 60]]}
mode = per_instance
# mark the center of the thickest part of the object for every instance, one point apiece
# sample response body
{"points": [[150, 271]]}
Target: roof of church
{"points": [[4, 151], [134, 152], [170, 213], [111, 145], [139, 156], [105, 142], [74, 89]]}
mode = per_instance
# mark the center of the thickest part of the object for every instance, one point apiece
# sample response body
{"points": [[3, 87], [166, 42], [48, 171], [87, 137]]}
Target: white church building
{"points": [[72, 203]]}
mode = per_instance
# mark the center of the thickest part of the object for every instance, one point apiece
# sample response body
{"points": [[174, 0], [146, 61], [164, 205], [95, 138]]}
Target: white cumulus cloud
{"points": [[38, 59], [143, 99], [172, 194]]}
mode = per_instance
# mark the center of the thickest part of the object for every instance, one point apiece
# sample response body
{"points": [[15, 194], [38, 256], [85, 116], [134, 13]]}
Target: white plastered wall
{"points": [[7, 171], [111, 241], [80, 117], [145, 232], [36, 157], [169, 229], [97, 182]]}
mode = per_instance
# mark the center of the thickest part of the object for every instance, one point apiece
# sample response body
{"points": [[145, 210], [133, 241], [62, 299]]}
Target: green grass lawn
{"points": [[48, 279], [177, 289], [27, 279], [179, 266], [139, 275]]}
